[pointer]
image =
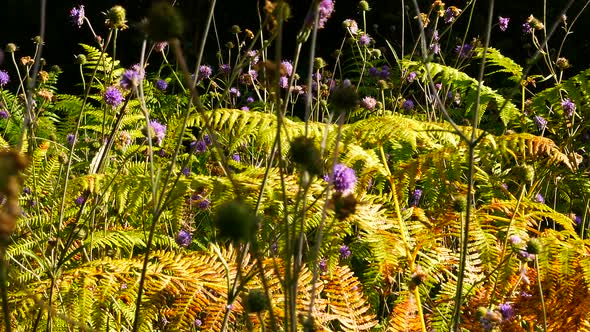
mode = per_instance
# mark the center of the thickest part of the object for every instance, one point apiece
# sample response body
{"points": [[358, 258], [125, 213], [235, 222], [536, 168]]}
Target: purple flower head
{"points": [[373, 72], [160, 46], [411, 77], [540, 199], [234, 92], [199, 146], [253, 74], [205, 72], [316, 76], [77, 16], [161, 85], [515, 240], [323, 265], [369, 103], [132, 77], [451, 14], [250, 100], [365, 39], [186, 171], [207, 139], [527, 28], [540, 122], [113, 96], [434, 48], [159, 131], [344, 252], [384, 74], [464, 51], [438, 86], [204, 204], [506, 310], [253, 55], [162, 152], [198, 322], [569, 107], [435, 37], [326, 9], [80, 200], [408, 105], [4, 78], [4, 114], [184, 238], [288, 66], [344, 178], [578, 219], [245, 108], [503, 22], [284, 82], [225, 69], [27, 191], [235, 157], [70, 138], [415, 199], [351, 25]]}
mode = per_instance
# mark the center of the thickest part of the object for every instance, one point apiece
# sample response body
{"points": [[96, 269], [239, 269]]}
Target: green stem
{"points": [[541, 293]]}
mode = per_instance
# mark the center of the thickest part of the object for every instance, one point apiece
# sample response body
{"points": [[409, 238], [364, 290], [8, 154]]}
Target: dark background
{"points": [[21, 24]]}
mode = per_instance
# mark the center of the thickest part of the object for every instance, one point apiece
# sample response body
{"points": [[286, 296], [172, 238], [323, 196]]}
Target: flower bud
{"points": [[562, 63], [81, 59], [319, 63], [235, 29], [364, 6], [115, 18], [10, 48]]}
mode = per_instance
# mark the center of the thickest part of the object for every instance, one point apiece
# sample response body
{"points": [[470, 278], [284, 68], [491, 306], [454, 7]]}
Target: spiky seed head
{"points": [[534, 246], [116, 18], [236, 222], [256, 301], [305, 153], [164, 22]]}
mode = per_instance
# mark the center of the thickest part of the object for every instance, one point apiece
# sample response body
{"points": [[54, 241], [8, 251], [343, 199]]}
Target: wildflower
{"points": [[323, 265], [4, 78], [245, 108], [125, 138], [283, 82], [351, 25], [186, 171], [503, 22], [515, 240], [540, 199], [235, 157], [204, 204], [369, 103], [113, 96], [408, 105], [250, 100], [411, 77], [540, 122], [70, 138], [4, 114], [207, 139], [77, 16], [225, 69], [234, 92], [198, 322], [288, 67], [326, 10], [198, 146], [159, 131], [451, 14], [562, 63], [344, 178], [162, 152], [184, 238], [253, 55], [27, 191], [132, 77], [384, 74], [415, 199], [464, 51], [80, 200], [160, 46], [578, 219], [365, 39], [344, 252], [373, 71], [344, 97], [205, 72], [568, 107], [161, 85], [438, 86], [506, 310], [434, 48], [527, 28]]}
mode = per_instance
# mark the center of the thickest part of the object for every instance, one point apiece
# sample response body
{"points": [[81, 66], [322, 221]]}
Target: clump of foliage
{"points": [[386, 189]]}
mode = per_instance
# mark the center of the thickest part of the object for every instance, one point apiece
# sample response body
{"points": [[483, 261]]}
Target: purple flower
{"points": [[506, 310], [503, 22], [527, 28], [284, 82], [199, 146], [245, 108], [205, 72], [434, 48], [351, 25], [225, 69], [369, 103], [161, 85], [540, 199], [160, 46], [235, 157], [250, 100], [451, 14], [198, 322], [204, 204], [207, 139], [464, 51], [408, 105], [234, 92], [132, 77], [384, 74], [540, 122], [77, 16], [113, 96], [184, 238], [373, 72], [515, 240], [344, 252], [326, 9], [568, 107], [411, 77], [27, 191], [253, 55], [4, 78], [288, 66], [4, 114], [578, 219], [162, 152], [70, 138], [186, 171], [323, 265], [415, 199], [80, 200], [159, 131], [365, 39], [344, 178]]}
